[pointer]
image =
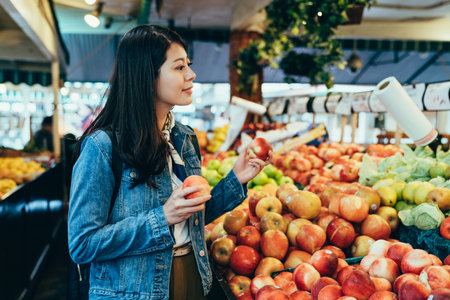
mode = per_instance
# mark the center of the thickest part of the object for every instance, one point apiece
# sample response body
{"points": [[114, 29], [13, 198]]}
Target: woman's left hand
{"points": [[246, 169]]}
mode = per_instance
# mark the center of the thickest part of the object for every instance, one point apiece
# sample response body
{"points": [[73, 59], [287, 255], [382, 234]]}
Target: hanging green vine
{"points": [[314, 23]]}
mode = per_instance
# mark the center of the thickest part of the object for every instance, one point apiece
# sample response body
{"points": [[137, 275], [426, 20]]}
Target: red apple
{"points": [[402, 279], [380, 247], [436, 260], [358, 284], [300, 295], [447, 260], [341, 233], [268, 265], [271, 293], [221, 250], [440, 294], [343, 274], [282, 280], [196, 180], [305, 275], [367, 261], [239, 284], [254, 199], [288, 218], [397, 250], [273, 220], [208, 229], [381, 284], [290, 287], [330, 292], [413, 290], [259, 148], [293, 229], [296, 257], [337, 251], [445, 228], [371, 196], [304, 204], [325, 219], [244, 259], [268, 204], [274, 243], [350, 172], [376, 227], [383, 295], [244, 296], [249, 236], [385, 268], [260, 281], [234, 221], [346, 298], [361, 245], [390, 215], [435, 277], [217, 232], [320, 284], [310, 237], [415, 260], [284, 190], [228, 274], [341, 264], [325, 262]]}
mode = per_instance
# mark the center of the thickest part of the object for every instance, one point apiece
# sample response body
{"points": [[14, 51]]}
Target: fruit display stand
{"points": [[30, 219]]}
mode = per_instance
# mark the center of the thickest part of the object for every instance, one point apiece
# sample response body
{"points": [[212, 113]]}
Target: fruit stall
{"points": [[329, 219]]}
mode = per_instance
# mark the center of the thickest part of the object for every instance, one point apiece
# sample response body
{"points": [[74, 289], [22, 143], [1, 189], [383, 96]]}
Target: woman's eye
{"points": [[180, 67]]}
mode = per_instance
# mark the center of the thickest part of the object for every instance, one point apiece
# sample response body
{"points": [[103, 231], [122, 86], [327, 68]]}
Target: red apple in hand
{"points": [[259, 148], [244, 259], [195, 180]]}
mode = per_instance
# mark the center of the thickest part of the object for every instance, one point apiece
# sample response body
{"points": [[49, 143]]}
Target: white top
{"points": [[180, 230]]}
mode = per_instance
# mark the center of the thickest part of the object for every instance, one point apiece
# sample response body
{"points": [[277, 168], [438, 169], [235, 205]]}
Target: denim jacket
{"points": [[131, 251]]}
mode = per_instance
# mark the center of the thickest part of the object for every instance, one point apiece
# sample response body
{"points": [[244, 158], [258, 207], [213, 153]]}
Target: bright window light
{"points": [[92, 20]]}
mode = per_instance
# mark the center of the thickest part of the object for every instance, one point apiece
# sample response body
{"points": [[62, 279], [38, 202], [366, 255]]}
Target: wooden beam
{"points": [[249, 15]]}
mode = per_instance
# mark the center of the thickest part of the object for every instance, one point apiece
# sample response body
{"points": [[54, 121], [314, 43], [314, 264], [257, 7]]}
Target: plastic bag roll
{"points": [[249, 105], [405, 112]]}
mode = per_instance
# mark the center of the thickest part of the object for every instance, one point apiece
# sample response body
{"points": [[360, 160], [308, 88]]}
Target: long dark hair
{"points": [[130, 107]]}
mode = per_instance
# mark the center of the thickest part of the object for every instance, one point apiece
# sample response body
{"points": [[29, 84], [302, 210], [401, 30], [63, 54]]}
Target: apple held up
{"points": [[196, 180], [260, 148]]}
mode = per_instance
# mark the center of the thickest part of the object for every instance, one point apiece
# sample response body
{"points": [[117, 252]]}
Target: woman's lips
{"points": [[188, 90]]}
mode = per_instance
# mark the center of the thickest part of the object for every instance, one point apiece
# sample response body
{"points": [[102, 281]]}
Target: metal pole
{"points": [[55, 87]]}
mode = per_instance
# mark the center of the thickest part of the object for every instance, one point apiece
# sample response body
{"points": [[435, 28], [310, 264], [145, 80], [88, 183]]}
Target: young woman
{"points": [[151, 244]]}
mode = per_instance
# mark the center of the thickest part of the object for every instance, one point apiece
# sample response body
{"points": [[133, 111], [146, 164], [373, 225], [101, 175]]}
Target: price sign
{"points": [[437, 96], [332, 102], [416, 93], [360, 102], [318, 105], [375, 104], [344, 106], [298, 105], [277, 107]]}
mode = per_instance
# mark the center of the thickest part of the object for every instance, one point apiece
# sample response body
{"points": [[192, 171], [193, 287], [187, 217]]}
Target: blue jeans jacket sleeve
{"points": [[225, 196], [90, 237]]}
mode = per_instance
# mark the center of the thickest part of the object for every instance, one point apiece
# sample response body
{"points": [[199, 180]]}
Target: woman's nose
{"points": [[190, 74]]}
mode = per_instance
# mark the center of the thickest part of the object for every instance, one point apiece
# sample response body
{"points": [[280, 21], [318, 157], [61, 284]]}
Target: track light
{"points": [[90, 2], [93, 18]]}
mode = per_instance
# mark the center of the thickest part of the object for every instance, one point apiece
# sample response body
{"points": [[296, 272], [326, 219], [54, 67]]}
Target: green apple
{"points": [[285, 179], [261, 179], [270, 170], [382, 182], [388, 195], [399, 186], [213, 164], [204, 169], [257, 187], [231, 159], [447, 173], [213, 177], [272, 181], [278, 175], [409, 191], [401, 205], [438, 169], [420, 195], [225, 168]]}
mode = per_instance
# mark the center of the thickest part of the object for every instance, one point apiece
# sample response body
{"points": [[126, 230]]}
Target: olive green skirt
{"points": [[185, 280]]}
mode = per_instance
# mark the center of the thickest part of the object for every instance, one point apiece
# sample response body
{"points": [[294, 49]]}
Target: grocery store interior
{"points": [[353, 96]]}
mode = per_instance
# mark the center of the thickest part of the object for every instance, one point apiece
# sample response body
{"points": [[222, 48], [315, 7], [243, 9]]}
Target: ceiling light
{"points": [[90, 2], [93, 18]]}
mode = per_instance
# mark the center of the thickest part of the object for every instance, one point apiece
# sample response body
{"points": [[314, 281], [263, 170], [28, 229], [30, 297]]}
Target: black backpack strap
{"points": [[194, 141], [116, 164]]}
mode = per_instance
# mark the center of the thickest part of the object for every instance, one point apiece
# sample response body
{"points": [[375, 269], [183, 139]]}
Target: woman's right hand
{"points": [[177, 208]]}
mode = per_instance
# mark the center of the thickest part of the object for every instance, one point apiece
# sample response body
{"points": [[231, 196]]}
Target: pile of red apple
{"points": [[329, 162]]}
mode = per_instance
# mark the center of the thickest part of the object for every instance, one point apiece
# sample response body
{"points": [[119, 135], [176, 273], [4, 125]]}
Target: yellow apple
{"points": [[304, 204], [390, 215], [409, 191], [440, 196], [388, 195], [420, 195]]}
